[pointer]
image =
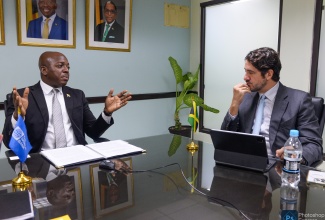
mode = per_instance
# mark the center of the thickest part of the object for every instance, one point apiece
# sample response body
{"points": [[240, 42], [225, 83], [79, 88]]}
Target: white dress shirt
{"points": [[49, 142], [268, 108]]}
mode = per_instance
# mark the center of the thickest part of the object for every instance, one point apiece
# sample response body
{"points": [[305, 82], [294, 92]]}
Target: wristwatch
{"points": [[107, 114]]}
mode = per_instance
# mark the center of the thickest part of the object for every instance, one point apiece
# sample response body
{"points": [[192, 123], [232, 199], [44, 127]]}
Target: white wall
{"points": [[296, 43], [145, 69]]}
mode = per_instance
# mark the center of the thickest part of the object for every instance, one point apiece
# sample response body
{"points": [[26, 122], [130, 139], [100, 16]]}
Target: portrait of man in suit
{"points": [[49, 25], [113, 188], [109, 30]]}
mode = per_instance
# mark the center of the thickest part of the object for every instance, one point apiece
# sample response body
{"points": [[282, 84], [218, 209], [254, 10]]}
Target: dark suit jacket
{"points": [[292, 109], [37, 118], [115, 34], [59, 30]]}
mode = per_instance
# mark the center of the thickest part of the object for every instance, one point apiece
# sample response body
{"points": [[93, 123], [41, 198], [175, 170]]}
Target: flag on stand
{"points": [[19, 142], [193, 117]]}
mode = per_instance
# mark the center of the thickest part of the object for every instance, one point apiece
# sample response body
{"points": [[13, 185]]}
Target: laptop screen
{"points": [[239, 142], [240, 149]]}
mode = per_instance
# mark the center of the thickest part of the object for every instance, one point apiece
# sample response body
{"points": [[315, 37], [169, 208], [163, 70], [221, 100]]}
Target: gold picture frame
{"points": [[62, 31], [106, 198], [118, 37], [2, 33]]}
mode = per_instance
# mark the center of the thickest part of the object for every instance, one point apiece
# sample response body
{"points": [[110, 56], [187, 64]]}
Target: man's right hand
{"points": [[20, 102], [239, 91]]}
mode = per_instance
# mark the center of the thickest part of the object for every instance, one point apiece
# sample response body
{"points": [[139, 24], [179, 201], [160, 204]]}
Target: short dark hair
{"points": [[110, 2], [265, 58]]}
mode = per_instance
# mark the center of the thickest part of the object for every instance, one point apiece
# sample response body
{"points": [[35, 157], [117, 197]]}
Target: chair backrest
{"points": [[319, 111], [5, 103]]}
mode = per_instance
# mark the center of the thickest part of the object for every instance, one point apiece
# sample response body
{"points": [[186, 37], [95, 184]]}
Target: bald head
{"points": [[54, 68], [47, 57]]}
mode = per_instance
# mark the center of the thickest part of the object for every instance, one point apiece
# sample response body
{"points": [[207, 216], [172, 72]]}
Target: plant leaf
{"points": [[174, 145], [178, 72], [199, 102]]}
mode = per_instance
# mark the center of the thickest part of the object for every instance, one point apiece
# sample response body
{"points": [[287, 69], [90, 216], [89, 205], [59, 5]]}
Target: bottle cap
{"points": [[294, 133]]}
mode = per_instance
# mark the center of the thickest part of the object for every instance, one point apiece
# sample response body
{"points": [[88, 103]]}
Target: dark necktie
{"points": [[59, 132]]}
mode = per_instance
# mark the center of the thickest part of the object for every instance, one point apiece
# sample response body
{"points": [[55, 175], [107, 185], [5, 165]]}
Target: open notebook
{"points": [[68, 156], [241, 150]]}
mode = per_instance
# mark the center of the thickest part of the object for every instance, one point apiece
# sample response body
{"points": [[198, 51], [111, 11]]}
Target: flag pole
{"points": [[193, 146], [22, 181]]}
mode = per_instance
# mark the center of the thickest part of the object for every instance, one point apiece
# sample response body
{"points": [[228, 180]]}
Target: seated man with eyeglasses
{"points": [[110, 30]]}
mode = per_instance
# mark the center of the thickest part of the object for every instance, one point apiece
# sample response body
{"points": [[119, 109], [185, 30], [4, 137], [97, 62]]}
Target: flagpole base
{"points": [[21, 180]]}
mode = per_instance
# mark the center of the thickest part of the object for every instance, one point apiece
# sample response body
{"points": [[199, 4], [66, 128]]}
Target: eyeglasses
{"points": [[110, 11]]}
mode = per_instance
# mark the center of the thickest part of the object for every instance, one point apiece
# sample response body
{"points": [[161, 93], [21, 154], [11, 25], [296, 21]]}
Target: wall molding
{"points": [[135, 97]]}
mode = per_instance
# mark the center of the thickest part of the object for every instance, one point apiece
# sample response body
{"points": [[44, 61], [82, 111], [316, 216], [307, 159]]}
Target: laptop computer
{"points": [[241, 150]]}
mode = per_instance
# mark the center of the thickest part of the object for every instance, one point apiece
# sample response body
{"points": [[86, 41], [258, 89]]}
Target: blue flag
{"points": [[19, 142]]}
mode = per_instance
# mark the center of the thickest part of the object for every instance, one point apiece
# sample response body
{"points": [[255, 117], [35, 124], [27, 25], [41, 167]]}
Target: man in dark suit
{"points": [[36, 105], [110, 30], [50, 25], [285, 108]]}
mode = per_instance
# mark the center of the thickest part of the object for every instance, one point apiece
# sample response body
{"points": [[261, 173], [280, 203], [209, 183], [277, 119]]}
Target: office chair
{"points": [[318, 103], [8, 97]]}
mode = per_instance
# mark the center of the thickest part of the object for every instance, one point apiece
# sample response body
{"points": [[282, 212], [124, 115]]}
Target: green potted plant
{"points": [[184, 98]]}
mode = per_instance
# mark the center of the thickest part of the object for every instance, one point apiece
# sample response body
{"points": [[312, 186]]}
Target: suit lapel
{"points": [[280, 105], [68, 100], [37, 93], [247, 111]]}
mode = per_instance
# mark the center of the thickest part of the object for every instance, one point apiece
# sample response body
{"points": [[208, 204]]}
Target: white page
{"points": [[115, 148], [61, 157]]}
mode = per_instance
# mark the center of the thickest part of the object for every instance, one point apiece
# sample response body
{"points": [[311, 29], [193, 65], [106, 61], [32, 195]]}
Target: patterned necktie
{"points": [[45, 33], [259, 116], [59, 132], [106, 32]]}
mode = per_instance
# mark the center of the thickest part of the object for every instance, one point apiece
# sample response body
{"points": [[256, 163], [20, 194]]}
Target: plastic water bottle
{"points": [[292, 158], [289, 202]]}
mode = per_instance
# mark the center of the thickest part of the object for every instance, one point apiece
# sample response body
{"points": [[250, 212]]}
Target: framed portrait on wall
{"points": [[2, 33], [108, 25], [47, 23], [112, 191]]}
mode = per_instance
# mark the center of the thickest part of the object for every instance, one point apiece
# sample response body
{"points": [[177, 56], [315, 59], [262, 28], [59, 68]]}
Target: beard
{"points": [[258, 86]]}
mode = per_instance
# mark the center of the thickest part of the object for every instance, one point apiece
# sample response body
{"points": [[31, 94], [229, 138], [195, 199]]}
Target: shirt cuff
{"points": [[13, 121], [232, 117], [106, 118]]}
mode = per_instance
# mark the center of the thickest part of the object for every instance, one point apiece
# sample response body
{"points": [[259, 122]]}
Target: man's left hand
{"points": [[280, 153], [115, 102]]}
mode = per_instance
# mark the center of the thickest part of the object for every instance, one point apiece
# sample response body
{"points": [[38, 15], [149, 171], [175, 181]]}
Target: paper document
{"points": [[316, 177], [67, 156], [114, 148]]}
